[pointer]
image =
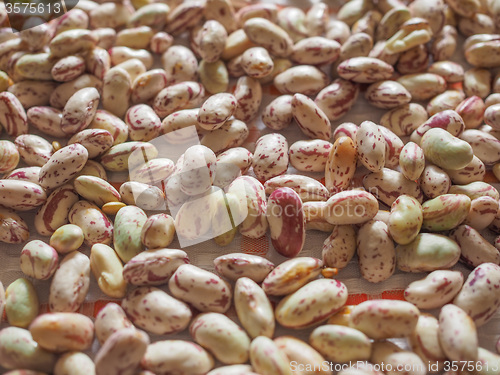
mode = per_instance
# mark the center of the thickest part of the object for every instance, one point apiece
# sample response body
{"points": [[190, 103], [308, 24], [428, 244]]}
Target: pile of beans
{"points": [[81, 97]]}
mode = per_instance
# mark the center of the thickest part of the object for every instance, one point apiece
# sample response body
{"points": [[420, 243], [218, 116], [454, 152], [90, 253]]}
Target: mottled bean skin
{"points": [[155, 311], [38, 260], [203, 289], [376, 253], [236, 265], [153, 267], [435, 290], [290, 275], [339, 247], [183, 357], [70, 283], [427, 252], [380, 319], [216, 332], [311, 304], [479, 296], [457, 334]]}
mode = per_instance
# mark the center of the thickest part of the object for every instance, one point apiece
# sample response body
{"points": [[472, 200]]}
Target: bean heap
{"points": [[87, 85]]}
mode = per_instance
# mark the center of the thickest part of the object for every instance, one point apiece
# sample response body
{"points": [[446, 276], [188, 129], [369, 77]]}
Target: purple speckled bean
{"points": [[203, 289], [435, 290], [154, 267], [70, 283], [380, 319], [155, 311], [236, 265]]}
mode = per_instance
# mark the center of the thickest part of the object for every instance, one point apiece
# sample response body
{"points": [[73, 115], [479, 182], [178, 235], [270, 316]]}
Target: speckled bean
{"points": [[479, 294], [427, 252], [154, 267], [183, 357], [370, 145], [350, 207], [405, 119], [204, 290], [128, 156], [38, 260], [339, 247], [63, 165], [457, 334], [248, 94], [216, 333], [341, 344], [305, 307], [446, 150], [216, 110], [143, 123], [435, 290], [482, 212], [9, 155], [307, 188], [267, 358], [21, 195], [412, 161], [144, 196], [179, 64], [301, 354], [388, 184], [445, 212], [13, 228], [70, 283], [475, 248], [387, 94], [424, 341], [19, 350], [380, 319], [270, 156], [96, 190], [129, 222], [122, 351], [270, 36], [337, 98], [485, 146], [110, 319], [183, 95], [374, 242], [236, 265], [96, 141], [315, 50], [30, 174], [405, 219], [96, 226], [12, 115], [74, 363], [311, 119], [472, 172], [117, 84], [155, 311], [253, 308], [365, 70], [291, 275], [54, 212], [63, 331], [434, 181], [310, 155], [302, 79]]}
